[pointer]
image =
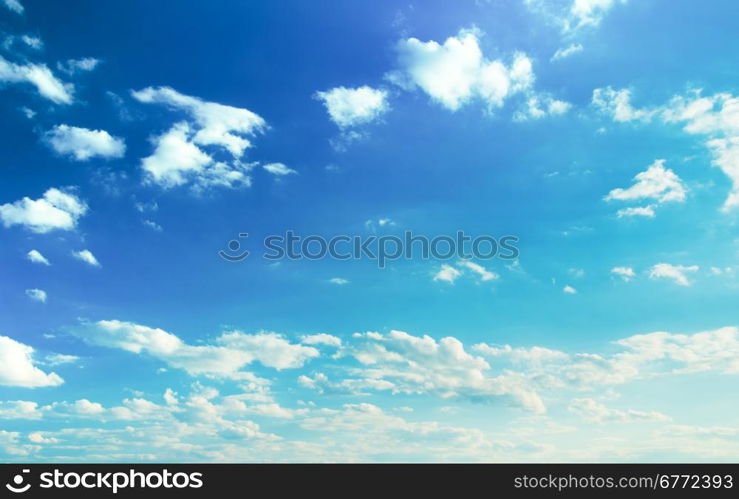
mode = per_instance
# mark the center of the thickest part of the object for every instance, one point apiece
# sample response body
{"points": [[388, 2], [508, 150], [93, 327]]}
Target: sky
{"points": [[140, 138]]}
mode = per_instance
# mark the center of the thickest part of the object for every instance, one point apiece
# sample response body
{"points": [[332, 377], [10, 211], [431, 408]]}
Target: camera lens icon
{"points": [[17, 486], [233, 255]]}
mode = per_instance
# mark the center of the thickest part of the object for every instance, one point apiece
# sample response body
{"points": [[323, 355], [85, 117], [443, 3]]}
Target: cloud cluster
{"points": [[179, 157], [714, 117], [57, 210], [225, 358]]}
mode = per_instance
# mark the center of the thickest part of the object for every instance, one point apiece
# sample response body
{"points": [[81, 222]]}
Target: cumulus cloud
{"points": [[569, 290], [216, 124], [17, 367], [540, 106], [178, 157], [676, 273], [456, 72], [589, 12], [83, 144], [278, 169], [36, 257], [403, 363], [38, 295], [655, 183], [447, 273], [58, 209], [225, 358], [40, 76], [348, 107], [625, 273], [87, 257]]}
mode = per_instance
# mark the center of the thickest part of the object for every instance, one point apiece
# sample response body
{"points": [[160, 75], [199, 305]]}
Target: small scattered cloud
{"points": [[39, 76], [38, 295], [350, 107], [87, 257], [36, 257], [83, 144], [14, 5], [74, 66], [625, 273], [278, 169], [447, 273], [569, 290], [570, 50], [338, 280], [676, 273]]}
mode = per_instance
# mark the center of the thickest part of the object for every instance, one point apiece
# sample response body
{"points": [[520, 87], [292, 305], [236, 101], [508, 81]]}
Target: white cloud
{"points": [[225, 358], [178, 157], [338, 280], [83, 144], [36, 257], [216, 124], [540, 106], [14, 5], [278, 169], [404, 363], [33, 41], [73, 66], [716, 117], [636, 211], [485, 275], [348, 107], [570, 50], [456, 72], [676, 273], [617, 103], [175, 158], [87, 257], [38, 295], [321, 339], [39, 76], [596, 412], [56, 210], [17, 366], [569, 290], [447, 273], [656, 183], [270, 349], [626, 273], [590, 12], [59, 359]]}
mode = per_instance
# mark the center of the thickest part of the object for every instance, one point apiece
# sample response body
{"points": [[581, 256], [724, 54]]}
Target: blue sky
{"points": [[139, 138]]}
